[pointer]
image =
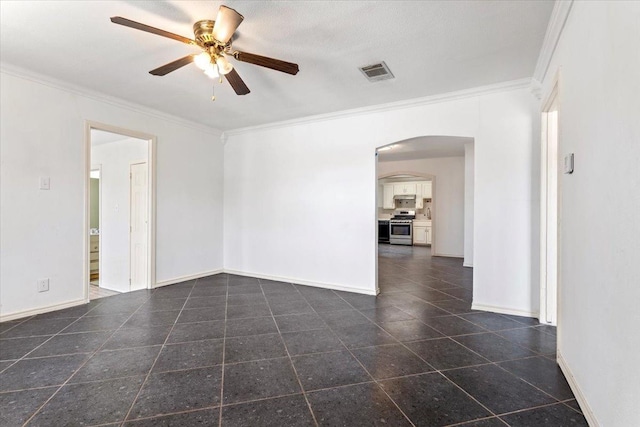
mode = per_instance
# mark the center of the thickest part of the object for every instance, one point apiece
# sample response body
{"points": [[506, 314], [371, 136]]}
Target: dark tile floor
{"points": [[237, 351]]}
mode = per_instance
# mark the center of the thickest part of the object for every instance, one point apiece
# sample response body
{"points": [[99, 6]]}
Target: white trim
{"points": [[41, 310], [546, 205], [322, 285], [504, 310], [557, 20], [398, 105], [450, 256], [573, 384], [101, 97], [467, 265], [187, 278]]}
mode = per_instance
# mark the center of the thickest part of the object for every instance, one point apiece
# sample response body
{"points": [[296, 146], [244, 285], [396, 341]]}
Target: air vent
{"points": [[377, 72]]}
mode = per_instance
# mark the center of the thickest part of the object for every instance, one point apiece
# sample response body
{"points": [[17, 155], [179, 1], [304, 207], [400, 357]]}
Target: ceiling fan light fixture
{"points": [[203, 61], [224, 66], [212, 71]]}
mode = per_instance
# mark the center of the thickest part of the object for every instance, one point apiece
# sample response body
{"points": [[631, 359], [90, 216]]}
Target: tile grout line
{"points": [[536, 354], [466, 423], [224, 349], [146, 378], [375, 381], [286, 349], [531, 409], [89, 356], [452, 338], [45, 341], [427, 363]]}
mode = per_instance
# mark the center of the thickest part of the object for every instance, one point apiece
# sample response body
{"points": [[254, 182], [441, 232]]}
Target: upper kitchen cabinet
{"points": [[404, 188], [426, 190], [387, 196]]}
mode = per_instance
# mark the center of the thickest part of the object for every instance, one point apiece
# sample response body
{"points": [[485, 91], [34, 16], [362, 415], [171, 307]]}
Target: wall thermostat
{"points": [[568, 163]]}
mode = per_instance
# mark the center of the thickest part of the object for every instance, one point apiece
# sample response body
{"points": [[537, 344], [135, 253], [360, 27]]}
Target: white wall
{"points": [[448, 190], [115, 159], [42, 134], [94, 215], [598, 58], [302, 175], [469, 160]]}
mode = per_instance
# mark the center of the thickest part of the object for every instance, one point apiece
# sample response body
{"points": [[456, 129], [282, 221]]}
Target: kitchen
{"points": [[405, 210]]}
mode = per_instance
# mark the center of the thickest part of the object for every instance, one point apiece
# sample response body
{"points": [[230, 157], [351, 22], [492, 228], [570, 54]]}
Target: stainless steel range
{"points": [[401, 227]]}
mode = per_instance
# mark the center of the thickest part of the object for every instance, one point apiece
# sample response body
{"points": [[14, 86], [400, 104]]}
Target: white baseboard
{"points": [[331, 286], [448, 255], [41, 310], [185, 278], [467, 265], [584, 405], [504, 310]]}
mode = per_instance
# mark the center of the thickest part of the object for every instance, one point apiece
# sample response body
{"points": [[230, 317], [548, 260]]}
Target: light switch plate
{"points": [[45, 183], [568, 163], [43, 285]]}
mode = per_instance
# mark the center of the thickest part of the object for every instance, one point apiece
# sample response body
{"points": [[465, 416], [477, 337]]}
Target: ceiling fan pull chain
{"points": [[213, 92]]}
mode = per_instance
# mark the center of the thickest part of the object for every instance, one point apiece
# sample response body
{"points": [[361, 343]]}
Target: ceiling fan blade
{"points": [[142, 27], [263, 61], [227, 21], [237, 83], [172, 66]]}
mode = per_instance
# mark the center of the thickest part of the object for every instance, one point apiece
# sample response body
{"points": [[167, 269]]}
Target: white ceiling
{"points": [[432, 47], [426, 147]]}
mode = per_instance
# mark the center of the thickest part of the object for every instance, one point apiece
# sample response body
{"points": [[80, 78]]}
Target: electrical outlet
{"points": [[45, 183], [43, 285]]}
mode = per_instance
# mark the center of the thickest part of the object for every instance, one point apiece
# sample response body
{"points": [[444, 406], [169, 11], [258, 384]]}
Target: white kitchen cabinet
{"points": [[404, 189], [422, 232], [427, 190], [419, 235], [387, 197]]}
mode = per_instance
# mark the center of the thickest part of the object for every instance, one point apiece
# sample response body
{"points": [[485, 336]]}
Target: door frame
{"points": [[151, 226], [547, 206]]}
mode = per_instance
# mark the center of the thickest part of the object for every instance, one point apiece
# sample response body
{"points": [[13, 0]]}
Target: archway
{"points": [[447, 163]]}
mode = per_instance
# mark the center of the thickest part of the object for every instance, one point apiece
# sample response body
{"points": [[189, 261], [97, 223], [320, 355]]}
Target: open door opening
{"points": [[120, 211], [424, 216], [550, 211]]}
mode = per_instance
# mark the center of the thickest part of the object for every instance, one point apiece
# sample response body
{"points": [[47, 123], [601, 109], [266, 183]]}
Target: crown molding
{"points": [[557, 20], [101, 97], [398, 105]]}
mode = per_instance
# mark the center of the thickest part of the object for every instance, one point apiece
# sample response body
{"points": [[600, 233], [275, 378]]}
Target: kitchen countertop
{"points": [[423, 222]]}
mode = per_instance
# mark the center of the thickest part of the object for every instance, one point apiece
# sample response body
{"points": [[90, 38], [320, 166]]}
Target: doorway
{"points": [[120, 211], [549, 210]]}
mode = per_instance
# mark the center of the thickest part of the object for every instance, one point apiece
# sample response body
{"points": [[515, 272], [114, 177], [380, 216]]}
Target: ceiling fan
{"points": [[215, 39]]}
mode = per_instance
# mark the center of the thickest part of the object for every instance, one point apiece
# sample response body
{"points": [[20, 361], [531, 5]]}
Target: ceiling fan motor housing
{"points": [[203, 32]]}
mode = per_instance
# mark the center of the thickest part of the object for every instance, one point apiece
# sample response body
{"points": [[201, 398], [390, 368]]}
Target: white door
{"points": [[139, 191]]}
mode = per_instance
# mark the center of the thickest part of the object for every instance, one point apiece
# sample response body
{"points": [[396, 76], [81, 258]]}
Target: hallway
{"points": [[239, 351]]}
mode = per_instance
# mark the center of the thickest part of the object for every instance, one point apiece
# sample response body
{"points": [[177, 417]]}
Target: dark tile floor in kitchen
{"points": [[236, 351]]}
